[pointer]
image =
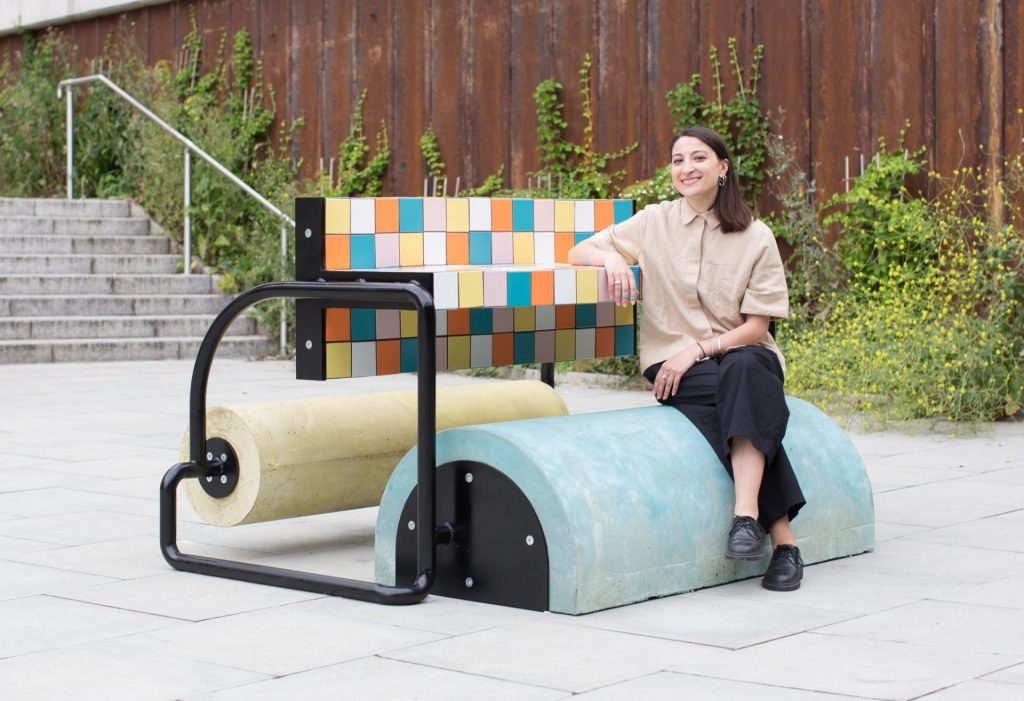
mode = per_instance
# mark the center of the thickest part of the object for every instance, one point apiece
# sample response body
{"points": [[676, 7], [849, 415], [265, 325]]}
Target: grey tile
{"points": [[18, 579], [1010, 675], [554, 654], [888, 531], [40, 623], [126, 558], [945, 503], [840, 665], [672, 686], [112, 671], [287, 639], [79, 528], [190, 596], [1006, 592], [976, 689], [56, 500], [954, 626], [706, 619], [385, 680], [993, 533], [20, 479], [11, 548]]}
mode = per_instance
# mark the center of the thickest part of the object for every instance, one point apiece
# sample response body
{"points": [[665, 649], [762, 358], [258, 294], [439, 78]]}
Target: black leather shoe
{"points": [[746, 539], [785, 571]]}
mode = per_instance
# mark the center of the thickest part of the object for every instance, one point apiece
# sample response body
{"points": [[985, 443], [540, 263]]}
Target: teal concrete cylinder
{"points": [[634, 504]]}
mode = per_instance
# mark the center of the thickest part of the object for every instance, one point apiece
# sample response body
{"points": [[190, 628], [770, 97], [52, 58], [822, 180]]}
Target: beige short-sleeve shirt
{"points": [[698, 281]]}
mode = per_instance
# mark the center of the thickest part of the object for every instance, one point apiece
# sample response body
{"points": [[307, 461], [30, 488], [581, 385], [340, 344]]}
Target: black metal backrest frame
{"points": [[202, 464]]}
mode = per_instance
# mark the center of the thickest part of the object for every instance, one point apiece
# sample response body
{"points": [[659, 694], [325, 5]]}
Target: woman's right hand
{"points": [[621, 282]]}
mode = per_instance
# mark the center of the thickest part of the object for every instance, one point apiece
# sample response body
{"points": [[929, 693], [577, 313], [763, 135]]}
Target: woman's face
{"points": [[696, 169]]}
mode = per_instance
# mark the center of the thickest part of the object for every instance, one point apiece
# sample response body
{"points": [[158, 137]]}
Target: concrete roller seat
{"points": [[619, 517]]}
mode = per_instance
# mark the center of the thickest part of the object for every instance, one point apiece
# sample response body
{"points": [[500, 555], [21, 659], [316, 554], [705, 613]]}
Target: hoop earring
{"points": [[721, 181]]}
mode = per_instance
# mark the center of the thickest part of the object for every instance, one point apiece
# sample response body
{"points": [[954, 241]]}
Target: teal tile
{"points": [[408, 355], [480, 247], [363, 252], [522, 215], [410, 214], [364, 324], [582, 236], [586, 316], [519, 289], [625, 337], [623, 210], [523, 346], [481, 321]]}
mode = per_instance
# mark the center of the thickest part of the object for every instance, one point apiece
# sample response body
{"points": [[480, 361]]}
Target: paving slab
{"points": [[672, 686]]}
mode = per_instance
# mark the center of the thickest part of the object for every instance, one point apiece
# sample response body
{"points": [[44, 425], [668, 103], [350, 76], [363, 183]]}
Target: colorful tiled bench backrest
{"points": [[497, 268]]}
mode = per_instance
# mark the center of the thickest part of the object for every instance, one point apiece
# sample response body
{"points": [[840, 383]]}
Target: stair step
{"points": [[106, 349], [115, 305], [74, 226], [95, 245], [105, 284], [42, 328], [88, 264], [26, 207]]}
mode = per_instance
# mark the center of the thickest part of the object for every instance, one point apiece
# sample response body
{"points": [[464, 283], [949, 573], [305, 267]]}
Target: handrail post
{"points": [[284, 302], [70, 147], [187, 268]]}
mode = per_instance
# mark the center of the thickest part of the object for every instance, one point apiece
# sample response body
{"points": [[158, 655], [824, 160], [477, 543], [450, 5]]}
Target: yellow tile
{"points": [[522, 248], [410, 249], [524, 318], [471, 288], [458, 214], [586, 286], [565, 344], [624, 315], [409, 326], [339, 360], [458, 352], [565, 215], [337, 213]]}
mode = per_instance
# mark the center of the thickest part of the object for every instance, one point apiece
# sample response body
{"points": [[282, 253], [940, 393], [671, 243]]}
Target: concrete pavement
{"points": [[89, 610]]}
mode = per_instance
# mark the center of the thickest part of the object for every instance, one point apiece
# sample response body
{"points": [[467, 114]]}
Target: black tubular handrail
{"points": [[393, 295]]}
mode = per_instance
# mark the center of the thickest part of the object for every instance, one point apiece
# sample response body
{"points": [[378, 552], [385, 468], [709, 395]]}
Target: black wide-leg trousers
{"points": [[740, 394]]}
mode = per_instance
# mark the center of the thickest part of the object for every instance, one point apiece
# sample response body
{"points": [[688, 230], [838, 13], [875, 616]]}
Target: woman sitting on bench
{"points": [[713, 280]]}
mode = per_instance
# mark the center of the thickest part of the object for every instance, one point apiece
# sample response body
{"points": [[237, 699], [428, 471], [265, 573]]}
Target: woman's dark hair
{"points": [[731, 210]]}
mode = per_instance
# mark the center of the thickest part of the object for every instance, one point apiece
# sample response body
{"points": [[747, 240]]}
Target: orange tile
{"points": [[563, 242], [502, 349], [338, 324], [458, 322], [542, 287], [458, 249], [565, 316], [387, 215], [389, 357], [604, 342], [501, 215], [604, 214], [337, 254]]}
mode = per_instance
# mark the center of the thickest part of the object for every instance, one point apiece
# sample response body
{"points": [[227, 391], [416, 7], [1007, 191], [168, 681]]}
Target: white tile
{"points": [[978, 690], [544, 248], [18, 579], [113, 671], [1010, 675], [124, 558], [584, 215], [80, 527], [946, 503], [446, 290], [44, 622], [479, 213], [673, 686], [57, 500], [434, 250], [1007, 592], [994, 533], [363, 216], [192, 597], [944, 624], [565, 287], [840, 665], [699, 617], [554, 654], [385, 680]]}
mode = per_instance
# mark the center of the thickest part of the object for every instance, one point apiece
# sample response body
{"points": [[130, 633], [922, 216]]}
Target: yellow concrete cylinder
{"points": [[314, 456]]}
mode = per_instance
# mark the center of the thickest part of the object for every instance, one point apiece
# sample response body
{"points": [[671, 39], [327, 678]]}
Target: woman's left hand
{"points": [[672, 370]]}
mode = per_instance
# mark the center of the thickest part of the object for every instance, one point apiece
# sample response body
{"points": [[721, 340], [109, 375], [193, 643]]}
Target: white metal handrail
{"points": [[190, 148]]}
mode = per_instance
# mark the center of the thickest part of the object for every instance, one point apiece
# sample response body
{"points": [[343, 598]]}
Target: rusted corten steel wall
{"points": [[844, 72]]}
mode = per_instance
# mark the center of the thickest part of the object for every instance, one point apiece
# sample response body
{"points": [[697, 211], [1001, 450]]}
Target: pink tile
{"points": [[387, 250], [434, 210], [501, 248], [543, 215], [441, 353], [606, 314], [389, 323], [495, 288], [602, 286]]}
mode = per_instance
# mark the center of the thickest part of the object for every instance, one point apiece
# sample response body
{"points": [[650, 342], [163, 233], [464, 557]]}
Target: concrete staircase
{"points": [[90, 280]]}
